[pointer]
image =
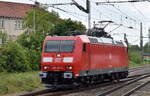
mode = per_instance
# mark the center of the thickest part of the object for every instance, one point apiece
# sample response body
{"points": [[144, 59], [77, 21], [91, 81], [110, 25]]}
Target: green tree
{"points": [[13, 58], [31, 40], [135, 57], [68, 27], [44, 20], [147, 48], [134, 48]]}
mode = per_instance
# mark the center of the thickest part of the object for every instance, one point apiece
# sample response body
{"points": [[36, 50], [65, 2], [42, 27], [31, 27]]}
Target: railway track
{"points": [[51, 92], [127, 88], [137, 68], [60, 93]]}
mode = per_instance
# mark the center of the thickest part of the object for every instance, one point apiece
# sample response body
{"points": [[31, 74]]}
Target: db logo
{"points": [[58, 60]]}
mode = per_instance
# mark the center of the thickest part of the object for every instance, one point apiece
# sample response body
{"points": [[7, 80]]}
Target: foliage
{"points": [[44, 20], [3, 37], [33, 43], [146, 48], [13, 58], [67, 27], [134, 48], [32, 40], [12, 83], [135, 57]]}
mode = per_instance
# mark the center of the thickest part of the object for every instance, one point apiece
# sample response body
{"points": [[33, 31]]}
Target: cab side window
{"points": [[84, 47]]}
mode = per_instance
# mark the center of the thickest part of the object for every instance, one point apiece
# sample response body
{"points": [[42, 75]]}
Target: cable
{"points": [[137, 40], [124, 13], [69, 13], [139, 12], [127, 16]]}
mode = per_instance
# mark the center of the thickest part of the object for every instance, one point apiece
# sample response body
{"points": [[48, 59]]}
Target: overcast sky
{"points": [[128, 14]]}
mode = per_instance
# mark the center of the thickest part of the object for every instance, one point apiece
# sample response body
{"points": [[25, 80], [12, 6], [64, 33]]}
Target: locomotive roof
{"points": [[84, 38], [103, 40], [89, 39]]}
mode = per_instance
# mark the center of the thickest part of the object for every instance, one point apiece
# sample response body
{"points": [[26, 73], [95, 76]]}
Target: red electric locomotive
{"points": [[82, 59]]}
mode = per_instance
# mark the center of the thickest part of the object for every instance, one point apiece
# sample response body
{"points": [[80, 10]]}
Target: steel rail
{"points": [[88, 88], [138, 68], [118, 87], [34, 93], [135, 89], [138, 75]]}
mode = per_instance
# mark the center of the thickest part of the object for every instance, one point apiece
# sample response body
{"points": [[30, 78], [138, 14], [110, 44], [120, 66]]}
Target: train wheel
{"points": [[112, 78], [101, 78], [117, 77]]}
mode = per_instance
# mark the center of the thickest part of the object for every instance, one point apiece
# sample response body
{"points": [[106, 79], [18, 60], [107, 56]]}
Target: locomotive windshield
{"points": [[59, 46]]}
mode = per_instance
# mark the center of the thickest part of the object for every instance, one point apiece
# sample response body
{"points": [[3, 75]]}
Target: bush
{"points": [[14, 58], [33, 43], [135, 57], [35, 61]]}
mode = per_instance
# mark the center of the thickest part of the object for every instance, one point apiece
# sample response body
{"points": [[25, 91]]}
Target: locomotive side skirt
{"points": [[102, 71]]}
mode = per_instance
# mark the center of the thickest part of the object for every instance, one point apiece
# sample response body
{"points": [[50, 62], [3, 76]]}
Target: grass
{"points": [[12, 83]]}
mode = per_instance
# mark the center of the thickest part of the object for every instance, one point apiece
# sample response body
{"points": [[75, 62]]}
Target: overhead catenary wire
{"points": [[121, 1], [127, 16], [143, 17], [67, 10], [122, 15]]}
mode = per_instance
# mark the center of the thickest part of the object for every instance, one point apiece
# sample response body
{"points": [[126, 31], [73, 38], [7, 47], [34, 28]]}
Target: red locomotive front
{"points": [[61, 56]]}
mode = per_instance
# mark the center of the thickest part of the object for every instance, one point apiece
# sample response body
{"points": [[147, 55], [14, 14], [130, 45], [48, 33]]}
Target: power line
{"points": [[70, 13], [139, 12], [126, 16], [129, 1]]}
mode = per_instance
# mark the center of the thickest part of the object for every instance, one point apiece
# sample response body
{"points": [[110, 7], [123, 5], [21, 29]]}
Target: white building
{"points": [[11, 17]]}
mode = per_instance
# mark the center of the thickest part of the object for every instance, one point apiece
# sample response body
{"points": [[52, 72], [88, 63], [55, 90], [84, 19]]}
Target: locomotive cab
{"points": [[60, 58]]}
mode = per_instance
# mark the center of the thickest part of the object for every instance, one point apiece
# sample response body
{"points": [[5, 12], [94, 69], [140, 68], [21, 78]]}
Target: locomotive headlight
{"points": [[47, 59], [68, 59], [46, 67], [69, 67]]}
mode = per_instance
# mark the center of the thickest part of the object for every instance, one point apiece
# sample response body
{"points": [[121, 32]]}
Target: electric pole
{"points": [[149, 37], [87, 10], [34, 17], [141, 39], [36, 4], [88, 5]]}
